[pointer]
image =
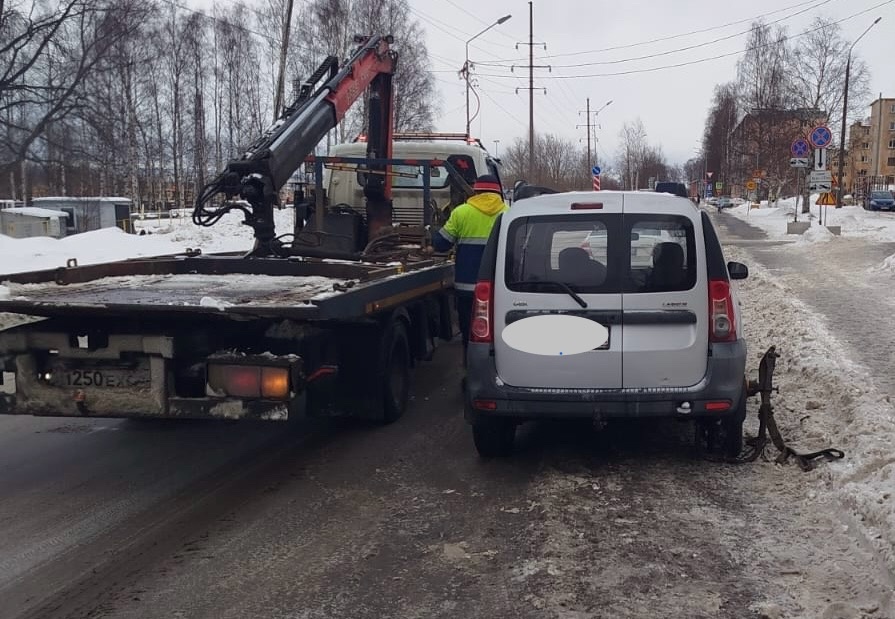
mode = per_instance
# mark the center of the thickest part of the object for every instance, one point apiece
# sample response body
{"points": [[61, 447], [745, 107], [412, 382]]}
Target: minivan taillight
{"points": [[482, 326], [721, 317]]}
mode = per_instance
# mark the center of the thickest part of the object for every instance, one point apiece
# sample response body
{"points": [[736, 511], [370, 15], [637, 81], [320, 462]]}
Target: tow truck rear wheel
{"points": [[395, 371]]}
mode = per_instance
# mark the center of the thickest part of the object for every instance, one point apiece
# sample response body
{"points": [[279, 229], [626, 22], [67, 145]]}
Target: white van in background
{"points": [[470, 160]]}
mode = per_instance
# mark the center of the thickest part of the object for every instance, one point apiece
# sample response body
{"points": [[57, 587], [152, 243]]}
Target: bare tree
{"points": [[717, 141], [46, 53], [816, 73], [762, 72], [631, 154]]}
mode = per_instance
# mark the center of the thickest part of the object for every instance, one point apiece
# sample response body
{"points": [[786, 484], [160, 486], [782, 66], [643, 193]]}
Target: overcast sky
{"points": [[672, 103]]}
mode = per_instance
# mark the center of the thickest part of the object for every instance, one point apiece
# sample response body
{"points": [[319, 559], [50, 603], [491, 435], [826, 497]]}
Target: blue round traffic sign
{"points": [[800, 148], [821, 137], [596, 170]]}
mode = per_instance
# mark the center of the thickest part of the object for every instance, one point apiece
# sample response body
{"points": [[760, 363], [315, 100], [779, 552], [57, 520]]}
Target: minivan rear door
{"points": [[571, 248], [665, 302]]}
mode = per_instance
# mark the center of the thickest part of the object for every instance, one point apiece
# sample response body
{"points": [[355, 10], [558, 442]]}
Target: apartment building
{"points": [[882, 138]]}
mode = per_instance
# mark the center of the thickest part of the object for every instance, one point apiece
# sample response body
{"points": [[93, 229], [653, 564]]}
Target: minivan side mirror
{"points": [[737, 270]]}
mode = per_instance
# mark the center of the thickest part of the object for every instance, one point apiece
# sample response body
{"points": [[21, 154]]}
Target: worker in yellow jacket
{"points": [[469, 227]]}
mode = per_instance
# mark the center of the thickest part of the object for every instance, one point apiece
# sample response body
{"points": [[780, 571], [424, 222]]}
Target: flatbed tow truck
{"points": [[328, 319]]}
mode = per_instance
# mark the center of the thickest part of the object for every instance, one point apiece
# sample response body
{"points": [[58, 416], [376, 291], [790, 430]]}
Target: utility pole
{"points": [[531, 89], [589, 125]]}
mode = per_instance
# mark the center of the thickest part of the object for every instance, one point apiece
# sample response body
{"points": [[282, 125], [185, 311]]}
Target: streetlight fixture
{"points": [[466, 65], [844, 111], [496, 144]]}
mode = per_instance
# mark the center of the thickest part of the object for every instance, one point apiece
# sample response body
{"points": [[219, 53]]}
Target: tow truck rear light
{"points": [[721, 317], [249, 381], [482, 323], [586, 206], [717, 405]]}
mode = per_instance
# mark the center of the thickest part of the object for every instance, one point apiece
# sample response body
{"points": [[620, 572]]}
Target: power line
{"points": [[703, 60], [677, 50], [223, 21], [442, 26], [483, 22], [502, 108], [673, 36]]}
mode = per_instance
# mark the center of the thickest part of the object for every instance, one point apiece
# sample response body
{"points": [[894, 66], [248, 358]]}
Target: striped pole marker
{"points": [[596, 183]]}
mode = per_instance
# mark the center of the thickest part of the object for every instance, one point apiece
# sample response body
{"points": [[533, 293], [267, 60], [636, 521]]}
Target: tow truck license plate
{"points": [[105, 377]]}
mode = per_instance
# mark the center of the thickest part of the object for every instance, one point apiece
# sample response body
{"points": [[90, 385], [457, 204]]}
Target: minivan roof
{"points": [[555, 203]]}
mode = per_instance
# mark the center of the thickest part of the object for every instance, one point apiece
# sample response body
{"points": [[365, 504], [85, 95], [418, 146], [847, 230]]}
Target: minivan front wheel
{"points": [[494, 437]]}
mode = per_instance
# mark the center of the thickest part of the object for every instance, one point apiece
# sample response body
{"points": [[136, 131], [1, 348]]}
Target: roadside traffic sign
{"points": [[798, 162], [750, 185], [709, 174], [826, 199], [719, 185], [800, 148], [820, 176], [821, 136], [596, 170], [820, 159]]}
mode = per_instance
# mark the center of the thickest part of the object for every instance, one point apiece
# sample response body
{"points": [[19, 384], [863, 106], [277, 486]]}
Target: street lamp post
{"points": [[844, 112], [466, 65], [496, 144]]}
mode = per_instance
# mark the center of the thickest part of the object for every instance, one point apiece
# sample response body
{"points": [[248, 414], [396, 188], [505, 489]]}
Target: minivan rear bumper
{"points": [[487, 396]]}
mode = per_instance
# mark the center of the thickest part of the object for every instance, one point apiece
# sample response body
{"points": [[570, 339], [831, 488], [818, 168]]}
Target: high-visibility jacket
{"points": [[469, 226]]}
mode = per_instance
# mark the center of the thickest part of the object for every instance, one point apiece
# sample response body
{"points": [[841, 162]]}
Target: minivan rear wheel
{"points": [[494, 438]]}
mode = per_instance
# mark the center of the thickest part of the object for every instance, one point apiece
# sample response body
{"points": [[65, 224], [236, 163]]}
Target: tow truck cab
{"points": [[346, 187]]}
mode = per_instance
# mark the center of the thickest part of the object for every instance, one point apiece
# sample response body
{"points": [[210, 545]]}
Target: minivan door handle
{"points": [[604, 317], [660, 317]]}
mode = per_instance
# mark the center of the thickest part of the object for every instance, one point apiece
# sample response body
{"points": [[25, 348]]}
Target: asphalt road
{"points": [[324, 519]]}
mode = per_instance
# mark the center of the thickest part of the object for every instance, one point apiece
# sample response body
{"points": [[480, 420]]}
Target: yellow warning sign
{"points": [[750, 185], [826, 199]]}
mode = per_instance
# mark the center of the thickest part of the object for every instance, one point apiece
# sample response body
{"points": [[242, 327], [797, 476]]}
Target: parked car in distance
{"points": [[725, 202], [879, 200], [712, 201], [645, 338]]}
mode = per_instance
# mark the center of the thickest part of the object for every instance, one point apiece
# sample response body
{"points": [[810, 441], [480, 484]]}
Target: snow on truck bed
{"points": [[190, 290]]}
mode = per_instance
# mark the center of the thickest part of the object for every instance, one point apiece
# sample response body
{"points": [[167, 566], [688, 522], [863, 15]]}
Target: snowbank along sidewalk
{"points": [[825, 400]]}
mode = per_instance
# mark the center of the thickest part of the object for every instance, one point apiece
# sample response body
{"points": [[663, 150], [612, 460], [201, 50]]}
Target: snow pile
{"points": [[772, 220], [4, 293], [816, 234], [163, 237], [887, 265], [215, 303], [854, 220], [825, 400]]}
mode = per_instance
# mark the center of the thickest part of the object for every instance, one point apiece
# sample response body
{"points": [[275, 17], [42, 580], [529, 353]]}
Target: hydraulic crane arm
{"points": [[257, 176]]}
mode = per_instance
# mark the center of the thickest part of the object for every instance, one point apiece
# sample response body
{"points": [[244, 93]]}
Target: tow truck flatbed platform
{"points": [[225, 285]]}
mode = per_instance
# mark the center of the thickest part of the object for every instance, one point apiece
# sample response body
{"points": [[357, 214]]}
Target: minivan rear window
{"points": [[601, 253], [574, 250], [663, 253]]}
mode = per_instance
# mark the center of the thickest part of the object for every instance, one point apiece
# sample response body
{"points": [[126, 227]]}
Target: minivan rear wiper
{"points": [[561, 285]]}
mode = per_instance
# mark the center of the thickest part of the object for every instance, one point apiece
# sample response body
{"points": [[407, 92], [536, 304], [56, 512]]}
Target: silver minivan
{"points": [[605, 305]]}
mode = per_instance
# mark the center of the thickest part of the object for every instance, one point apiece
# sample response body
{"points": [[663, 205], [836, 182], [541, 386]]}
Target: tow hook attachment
{"points": [[763, 387]]}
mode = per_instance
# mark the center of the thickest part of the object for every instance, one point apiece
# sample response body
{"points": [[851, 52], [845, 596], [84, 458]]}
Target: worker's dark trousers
{"points": [[464, 316]]}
